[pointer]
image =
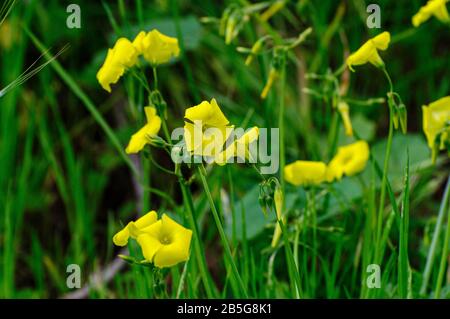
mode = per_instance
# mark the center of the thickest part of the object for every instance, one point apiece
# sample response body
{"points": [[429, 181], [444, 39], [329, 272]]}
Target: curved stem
{"points": [[388, 77]]}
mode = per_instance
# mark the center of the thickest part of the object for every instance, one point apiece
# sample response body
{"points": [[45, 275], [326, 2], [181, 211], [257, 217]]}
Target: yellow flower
{"points": [[305, 173], [122, 56], [156, 47], [433, 7], [206, 129], [436, 123], [343, 109], [349, 160], [144, 135], [133, 229], [368, 52], [239, 148], [165, 243]]}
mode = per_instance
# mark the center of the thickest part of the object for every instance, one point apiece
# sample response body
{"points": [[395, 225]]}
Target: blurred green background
{"points": [[65, 190]]}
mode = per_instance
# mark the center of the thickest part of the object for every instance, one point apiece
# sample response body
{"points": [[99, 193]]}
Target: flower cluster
{"points": [[206, 130], [155, 47], [164, 242]]}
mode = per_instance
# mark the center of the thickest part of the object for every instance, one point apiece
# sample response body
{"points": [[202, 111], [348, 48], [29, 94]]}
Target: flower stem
{"points": [[388, 77], [383, 185], [434, 241], [437, 291], [226, 246]]}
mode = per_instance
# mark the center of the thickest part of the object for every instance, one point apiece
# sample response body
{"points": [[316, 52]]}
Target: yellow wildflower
{"points": [[368, 52], [435, 8], [156, 47], [305, 173], [206, 129], [349, 160], [165, 243], [343, 109], [436, 124], [239, 148], [133, 229], [144, 135], [122, 56]]}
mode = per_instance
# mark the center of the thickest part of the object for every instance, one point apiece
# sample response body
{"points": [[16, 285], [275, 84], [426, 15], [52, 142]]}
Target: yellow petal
{"points": [[441, 12], [133, 229], [375, 59], [166, 242], [208, 112], [148, 219], [368, 51], [121, 237], [158, 48], [239, 148], [138, 42], [433, 7], [123, 55], [381, 41], [305, 173], [110, 72], [349, 160], [143, 136]]}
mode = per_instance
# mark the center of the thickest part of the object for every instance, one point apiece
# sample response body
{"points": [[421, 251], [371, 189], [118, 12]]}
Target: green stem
{"points": [[161, 112], [383, 184], [434, 241], [226, 246], [388, 77]]}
